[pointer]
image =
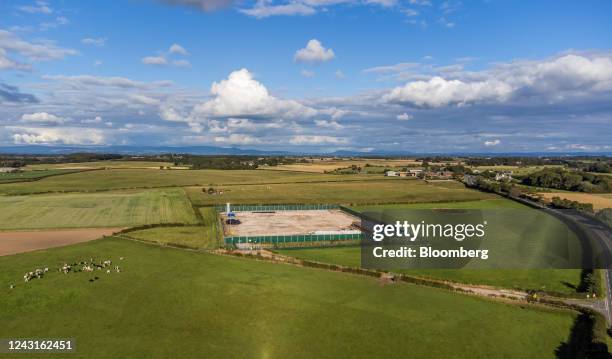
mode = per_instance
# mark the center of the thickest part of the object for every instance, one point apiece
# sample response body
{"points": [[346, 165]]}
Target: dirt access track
{"points": [[26, 241]]}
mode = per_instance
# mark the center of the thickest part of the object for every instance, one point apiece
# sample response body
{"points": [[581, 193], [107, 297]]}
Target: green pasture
{"points": [[175, 303], [102, 164], [562, 281], [207, 235], [108, 209], [373, 191], [32, 175], [187, 236], [149, 178], [514, 235]]}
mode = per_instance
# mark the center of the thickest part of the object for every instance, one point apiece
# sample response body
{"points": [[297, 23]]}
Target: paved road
{"points": [[596, 232]]}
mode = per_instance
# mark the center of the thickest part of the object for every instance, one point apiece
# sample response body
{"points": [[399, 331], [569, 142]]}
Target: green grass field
{"points": [[374, 191], [102, 164], [149, 178], [557, 281], [205, 236], [108, 209], [188, 236], [32, 175], [492, 203], [561, 281], [176, 303]]}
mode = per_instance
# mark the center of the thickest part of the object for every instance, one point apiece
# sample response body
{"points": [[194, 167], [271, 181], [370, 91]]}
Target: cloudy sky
{"points": [[309, 75]]}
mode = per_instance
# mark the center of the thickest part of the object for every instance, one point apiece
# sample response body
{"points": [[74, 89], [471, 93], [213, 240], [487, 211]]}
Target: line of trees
{"points": [[231, 162], [576, 181]]}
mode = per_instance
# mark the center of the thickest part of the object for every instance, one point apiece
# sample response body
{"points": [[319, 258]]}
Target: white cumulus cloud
{"points": [[42, 117], [178, 49], [317, 140], [263, 9], [65, 135], [240, 95], [154, 60], [491, 143], [94, 41], [314, 52], [553, 79], [39, 7], [404, 117]]}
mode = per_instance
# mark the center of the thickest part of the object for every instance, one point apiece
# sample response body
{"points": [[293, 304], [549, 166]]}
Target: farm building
{"points": [[9, 169], [503, 176]]}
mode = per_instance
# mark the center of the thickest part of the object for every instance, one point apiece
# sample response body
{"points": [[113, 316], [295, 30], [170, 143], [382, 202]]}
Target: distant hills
{"points": [[212, 150]]}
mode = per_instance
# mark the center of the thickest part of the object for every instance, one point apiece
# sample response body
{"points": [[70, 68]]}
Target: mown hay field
{"points": [[83, 210]]}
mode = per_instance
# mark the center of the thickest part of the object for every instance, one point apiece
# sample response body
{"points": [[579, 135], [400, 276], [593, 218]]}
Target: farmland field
{"points": [[110, 209], [373, 191], [205, 236], [148, 178], [32, 175], [516, 170], [319, 166], [200, 237], [101, 164], [599, 201], [218, 305], [558, 281], [562, 281]]}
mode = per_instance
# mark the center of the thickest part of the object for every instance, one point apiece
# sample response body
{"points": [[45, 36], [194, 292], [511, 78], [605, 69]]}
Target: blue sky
{"points": [[315, 75]]}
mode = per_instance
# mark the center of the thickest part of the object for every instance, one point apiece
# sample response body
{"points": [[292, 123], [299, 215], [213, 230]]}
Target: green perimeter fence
{"points": [[276, 207], [298, 238], [292, 238]]}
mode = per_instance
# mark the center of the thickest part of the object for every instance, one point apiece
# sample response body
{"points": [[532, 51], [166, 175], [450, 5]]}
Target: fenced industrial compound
{"points": [[284, 224], [277, 207]]}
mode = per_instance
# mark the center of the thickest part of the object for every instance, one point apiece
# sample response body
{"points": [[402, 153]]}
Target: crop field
{"points": [[320, 166], [109, 209], [148, 178], [218, 305], [373, 191], [557, 281], [599, 201], [101, 164], [516, 170], [32, 175]]}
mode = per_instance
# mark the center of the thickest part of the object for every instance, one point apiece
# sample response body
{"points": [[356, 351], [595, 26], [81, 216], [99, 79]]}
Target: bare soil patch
{"points": [[26, 241], [289, 222]]}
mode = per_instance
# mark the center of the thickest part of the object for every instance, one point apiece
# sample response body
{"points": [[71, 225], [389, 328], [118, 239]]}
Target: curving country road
{"points": [[596, 232]]}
